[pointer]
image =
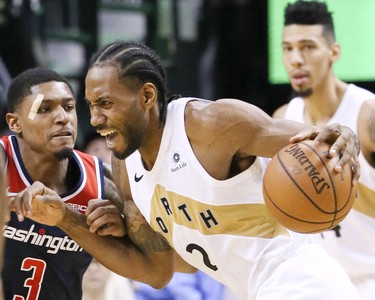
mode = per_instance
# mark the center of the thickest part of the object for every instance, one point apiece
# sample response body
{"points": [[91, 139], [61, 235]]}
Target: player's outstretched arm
{"points": [[151, 265], [241, 130], [109, 217], [120, 255]]}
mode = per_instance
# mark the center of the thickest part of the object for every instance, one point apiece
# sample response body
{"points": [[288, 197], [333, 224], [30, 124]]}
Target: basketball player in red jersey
{"points": [[43, 262]]}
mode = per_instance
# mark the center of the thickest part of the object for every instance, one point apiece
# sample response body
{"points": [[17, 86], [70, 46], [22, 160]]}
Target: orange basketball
{"points": [[304, 192]]}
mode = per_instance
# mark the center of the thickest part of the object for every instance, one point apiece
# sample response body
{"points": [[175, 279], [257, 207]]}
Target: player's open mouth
{"points": [[109, 135]]}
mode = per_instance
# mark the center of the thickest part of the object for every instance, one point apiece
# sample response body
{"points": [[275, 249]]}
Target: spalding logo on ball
{"points": [[304, 192]]}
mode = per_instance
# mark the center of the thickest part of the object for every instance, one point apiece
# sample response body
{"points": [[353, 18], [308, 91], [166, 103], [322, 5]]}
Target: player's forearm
{"points": [[119, 254], [181, 266]]}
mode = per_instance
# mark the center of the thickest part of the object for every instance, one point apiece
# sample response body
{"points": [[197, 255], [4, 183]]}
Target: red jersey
{"points": [[42, 262]]}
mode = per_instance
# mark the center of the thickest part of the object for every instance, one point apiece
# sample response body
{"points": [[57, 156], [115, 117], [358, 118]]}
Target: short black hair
{"points": [[21, 85], [137, 63], [310, 13]]}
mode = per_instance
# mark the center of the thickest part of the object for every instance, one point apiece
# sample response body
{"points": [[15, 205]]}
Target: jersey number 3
{"points": [[34, 282]]}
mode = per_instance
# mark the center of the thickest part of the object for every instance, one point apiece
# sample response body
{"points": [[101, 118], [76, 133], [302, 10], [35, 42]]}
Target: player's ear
{"points": [[335, 52], [13, 122], [149, 94]]}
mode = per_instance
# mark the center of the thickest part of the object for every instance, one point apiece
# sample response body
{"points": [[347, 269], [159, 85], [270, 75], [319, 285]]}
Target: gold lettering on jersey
{"points": [[364, 201], [253, 220]]}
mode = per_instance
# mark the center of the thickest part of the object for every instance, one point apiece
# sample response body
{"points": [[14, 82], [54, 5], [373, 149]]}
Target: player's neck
{"points": [[54, 179], [49, 170], [150, 149], [323, 103]]}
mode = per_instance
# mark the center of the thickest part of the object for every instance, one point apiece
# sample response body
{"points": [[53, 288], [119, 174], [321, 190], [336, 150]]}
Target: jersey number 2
{"points": [[34, 282]]}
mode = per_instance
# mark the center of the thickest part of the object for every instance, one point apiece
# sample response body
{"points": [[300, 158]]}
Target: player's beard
{"points": [[130, 149], [303, 93], [64, 153], [134, 137]]}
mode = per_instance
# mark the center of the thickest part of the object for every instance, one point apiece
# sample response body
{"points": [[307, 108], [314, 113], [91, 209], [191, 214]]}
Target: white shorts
{"points": [[311, 274]]}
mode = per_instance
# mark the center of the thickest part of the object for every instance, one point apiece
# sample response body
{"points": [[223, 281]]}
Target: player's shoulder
{"points": [[222, 107], [367, 101], [279, 113], [361, 92], [222, 115], [367, 109]]}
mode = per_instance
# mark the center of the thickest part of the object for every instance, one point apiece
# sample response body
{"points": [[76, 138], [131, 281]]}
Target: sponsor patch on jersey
{"points": [[177, 162]]}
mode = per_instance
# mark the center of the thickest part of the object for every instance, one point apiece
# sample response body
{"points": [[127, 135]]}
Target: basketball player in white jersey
{"points": [[309, 53], [192, 169]]}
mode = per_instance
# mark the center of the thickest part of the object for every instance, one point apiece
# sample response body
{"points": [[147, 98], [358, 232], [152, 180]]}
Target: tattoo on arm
{"points": [[148, 240], [74, 220], [107, 171], [112, 193], [141, 233]]}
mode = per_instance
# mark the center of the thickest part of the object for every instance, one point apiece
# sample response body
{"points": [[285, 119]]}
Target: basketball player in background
{"points": [[42, 262], [191, 168], [309, 53]]}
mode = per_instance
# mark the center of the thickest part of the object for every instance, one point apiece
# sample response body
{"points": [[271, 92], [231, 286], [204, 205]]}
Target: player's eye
{"points": [[70, 107], [309, 47], [105, 104], [44, 109]]}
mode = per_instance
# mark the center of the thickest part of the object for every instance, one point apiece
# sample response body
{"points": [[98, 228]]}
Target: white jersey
{"points": [[222, 227], [352, 242]]}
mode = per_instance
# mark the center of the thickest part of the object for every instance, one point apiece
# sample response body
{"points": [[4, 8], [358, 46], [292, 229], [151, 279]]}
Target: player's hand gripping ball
{"points": [[304, 192]]}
